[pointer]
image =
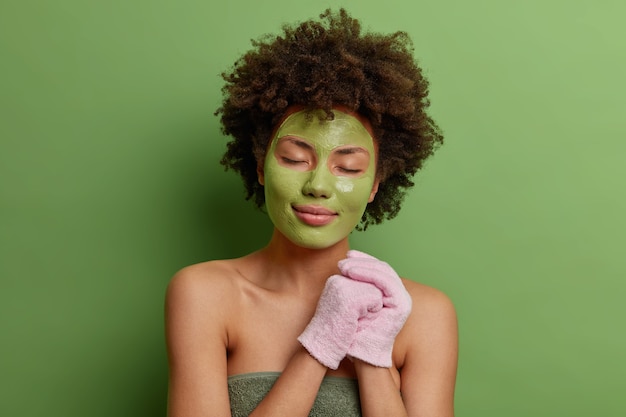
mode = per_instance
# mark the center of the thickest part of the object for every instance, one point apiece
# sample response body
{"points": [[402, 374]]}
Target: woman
{"points": [[329, 126]]}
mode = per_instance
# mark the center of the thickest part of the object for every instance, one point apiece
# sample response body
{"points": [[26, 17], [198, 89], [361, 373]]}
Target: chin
{"points": [[315, 243], [322, 237]]}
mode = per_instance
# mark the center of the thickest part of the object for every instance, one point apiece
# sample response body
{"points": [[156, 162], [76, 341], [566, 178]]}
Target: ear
{"points": [[260, 174], [374, 190]]}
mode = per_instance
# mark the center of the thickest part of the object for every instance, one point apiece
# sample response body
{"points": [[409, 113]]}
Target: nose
{"points": [[319, 184]]}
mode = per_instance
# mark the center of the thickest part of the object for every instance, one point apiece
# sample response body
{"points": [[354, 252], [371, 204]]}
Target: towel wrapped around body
{"points": [[336, 396]]}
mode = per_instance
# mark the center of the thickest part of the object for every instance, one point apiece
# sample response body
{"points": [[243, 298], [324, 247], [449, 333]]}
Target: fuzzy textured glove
{"points": [[333, 328], [374, 340]]}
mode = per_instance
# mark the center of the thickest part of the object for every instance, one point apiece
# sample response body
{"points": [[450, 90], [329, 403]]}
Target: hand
{"points": [[374, 340], [332, 329]]}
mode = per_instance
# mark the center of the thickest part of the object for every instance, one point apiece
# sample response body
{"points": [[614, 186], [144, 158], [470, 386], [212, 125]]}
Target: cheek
{"points": [[282, 183], [354, 193], [345, 186]]}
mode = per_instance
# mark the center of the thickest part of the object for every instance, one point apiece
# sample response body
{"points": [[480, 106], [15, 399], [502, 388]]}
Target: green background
{"points": [[110, 182]]}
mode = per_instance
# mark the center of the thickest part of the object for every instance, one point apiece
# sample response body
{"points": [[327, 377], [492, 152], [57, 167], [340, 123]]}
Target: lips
{"points": [[314, 215]]}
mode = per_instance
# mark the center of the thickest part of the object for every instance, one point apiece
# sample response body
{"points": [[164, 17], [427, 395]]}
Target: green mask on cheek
{"points": [[319, 176]]}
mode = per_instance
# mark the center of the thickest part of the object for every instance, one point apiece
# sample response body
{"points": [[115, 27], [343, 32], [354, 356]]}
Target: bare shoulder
{"points": [[207, 281], [201, 298], [431, 326], [430, 305]]}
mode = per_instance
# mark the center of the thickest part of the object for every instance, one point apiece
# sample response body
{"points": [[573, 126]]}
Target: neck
{"points": [[302, 269]]}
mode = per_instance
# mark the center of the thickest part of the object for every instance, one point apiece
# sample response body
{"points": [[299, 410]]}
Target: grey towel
{"points": [[336, 396]]}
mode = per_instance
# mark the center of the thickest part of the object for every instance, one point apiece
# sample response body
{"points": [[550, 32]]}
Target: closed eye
{"points": [[349, 161], [348, 170], [295, 153], [290, 161]]}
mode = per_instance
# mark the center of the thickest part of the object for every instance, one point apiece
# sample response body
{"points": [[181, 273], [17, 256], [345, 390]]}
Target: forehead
{"points": [[313, 127]]}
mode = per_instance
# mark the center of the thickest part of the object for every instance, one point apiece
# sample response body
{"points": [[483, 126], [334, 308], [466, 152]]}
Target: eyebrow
{"points": [[350, 150], [299, 143]]}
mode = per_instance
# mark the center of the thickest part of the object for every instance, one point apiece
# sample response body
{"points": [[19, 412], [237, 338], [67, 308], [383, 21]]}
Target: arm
{"points": [[378, 391], [430, 342], [195, 325], [295, 391], [425, 350]]}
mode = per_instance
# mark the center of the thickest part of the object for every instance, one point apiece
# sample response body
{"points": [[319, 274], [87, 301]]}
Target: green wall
{"points": [[110, 182]]}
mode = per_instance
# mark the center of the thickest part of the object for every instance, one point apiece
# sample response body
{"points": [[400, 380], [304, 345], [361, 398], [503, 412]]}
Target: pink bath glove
{"points": [[332, 329], [374, 340]]}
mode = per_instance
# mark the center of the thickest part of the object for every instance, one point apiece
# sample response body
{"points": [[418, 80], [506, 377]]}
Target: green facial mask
{"points": [[318, 177]]}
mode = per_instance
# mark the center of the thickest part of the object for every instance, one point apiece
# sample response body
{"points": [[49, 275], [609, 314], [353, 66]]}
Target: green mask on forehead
{"points": [[319, 176]]}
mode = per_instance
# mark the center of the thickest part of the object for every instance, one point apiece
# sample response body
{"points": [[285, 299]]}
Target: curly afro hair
{"points": [[321, 64]]}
